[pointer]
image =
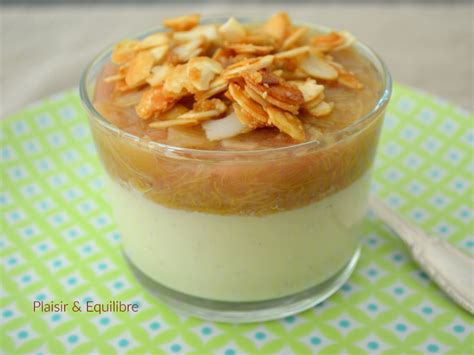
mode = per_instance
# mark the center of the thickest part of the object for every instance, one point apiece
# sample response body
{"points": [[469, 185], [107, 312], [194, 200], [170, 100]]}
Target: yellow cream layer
{"points": [[241, 258]]}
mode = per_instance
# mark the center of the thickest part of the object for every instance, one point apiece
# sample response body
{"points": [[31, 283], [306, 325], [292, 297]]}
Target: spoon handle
{"points": [[450, 268]]}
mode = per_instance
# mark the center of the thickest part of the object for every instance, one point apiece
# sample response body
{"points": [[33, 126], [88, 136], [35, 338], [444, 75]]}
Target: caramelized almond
{"points": [[232, 31], [201, 71], [274, 90], [349, 80], [175, 122], [278, 26], [124, 51], [154, 100], [315, 66], [294, 38], [250, 48], [182, 23], [247, 104], [252, 64], [139, 69], [286, 122], [327, 41]]}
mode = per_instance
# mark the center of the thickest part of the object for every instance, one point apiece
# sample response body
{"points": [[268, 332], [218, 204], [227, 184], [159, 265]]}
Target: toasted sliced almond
{"points": [[154, 100], [270, 100], [323, 109], [225, 56], [287, 123], [247, 104], [139, 69], [293, 53], [204, 110], [124, 51], [296, 74], [201, 71], [213, 90], [247, 119], [199, 116], [232, 31], [349, 80], [333, 41], [159, 53], [313, 103], [293, 39], [254, 95], [188, 50], [177, 82], [345, 77], [154, 40], [259, 38], [217, 86], [159, 74], [182, 23], [275, 91], [282, 105], [250, 48], [328, 41], [318, 68], [286, 93], [209, 32], [208, 105], [278, 26], [252, 64], [309, 88], [176, 122], [349, 40]]}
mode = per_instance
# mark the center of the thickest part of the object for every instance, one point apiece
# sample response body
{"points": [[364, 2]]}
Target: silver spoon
{"points": [[450, 268]]}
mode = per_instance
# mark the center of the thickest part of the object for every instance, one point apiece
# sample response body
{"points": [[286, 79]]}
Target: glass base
{"points": [[245, 312]]}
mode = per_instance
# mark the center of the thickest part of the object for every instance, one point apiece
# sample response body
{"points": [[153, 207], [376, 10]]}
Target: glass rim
{"points": [[205, 154]]}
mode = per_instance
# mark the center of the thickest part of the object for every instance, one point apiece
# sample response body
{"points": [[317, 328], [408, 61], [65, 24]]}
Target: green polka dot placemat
{"points": [[59, 243]]}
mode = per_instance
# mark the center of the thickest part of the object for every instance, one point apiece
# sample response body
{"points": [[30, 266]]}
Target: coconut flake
{"points": [[226, 127]]}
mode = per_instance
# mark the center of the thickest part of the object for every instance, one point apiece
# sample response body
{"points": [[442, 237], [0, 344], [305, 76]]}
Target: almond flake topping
{"points": [[230, 78], [315, 65], [250, 48], [278, 26], [201, 70], [139, 69], [182, 23], [232, 31], [294, 38], [309, 88], [154, 40], [286, 122]]}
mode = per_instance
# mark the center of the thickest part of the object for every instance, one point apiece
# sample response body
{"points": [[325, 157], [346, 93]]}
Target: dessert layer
{"points": [[274, 85], [240, 258], [238, 185], [237, 86]]}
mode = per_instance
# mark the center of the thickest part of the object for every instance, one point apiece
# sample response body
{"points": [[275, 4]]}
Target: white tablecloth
{"points": [[45, 48]]}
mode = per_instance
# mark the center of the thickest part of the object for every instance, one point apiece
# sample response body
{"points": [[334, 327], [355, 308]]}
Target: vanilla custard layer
{"points": [[241, 258]]}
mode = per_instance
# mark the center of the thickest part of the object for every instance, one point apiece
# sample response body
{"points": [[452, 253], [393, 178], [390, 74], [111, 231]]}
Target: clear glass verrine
{"points": [[239, 235]]}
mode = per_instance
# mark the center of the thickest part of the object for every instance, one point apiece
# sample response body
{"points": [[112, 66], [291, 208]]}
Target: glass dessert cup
{"points": [[239, 236]]}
